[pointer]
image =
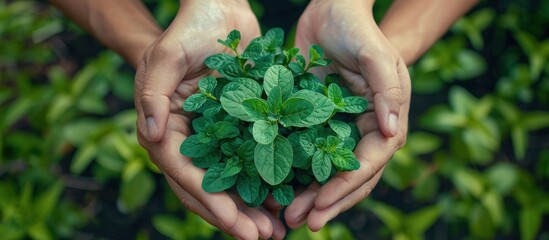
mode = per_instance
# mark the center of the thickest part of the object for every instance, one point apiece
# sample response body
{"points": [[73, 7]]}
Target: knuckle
{"points": [[369, 167], [147, 95], [368, 55], [400, 139], [365, 192]]}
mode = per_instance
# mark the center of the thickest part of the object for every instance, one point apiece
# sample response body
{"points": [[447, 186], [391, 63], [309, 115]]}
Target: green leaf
{"points": [[194, 102], [323, 107], [274, 37], [321, 165], [307, 141], [259, 69], [296, 68], [233, 167], [321, 63], [530, 219], [467, 182], [355, 104], [315, 52], [207, 160], [289, 54], [46, 202], [301, 158], [168, 225], [300, 60], [232, 41], [493, 203], [274, 160], [253, 51], [250, 84], [264, 132], [278, 75], [311, 82], [257, 108], [461, 100], [232, 102], [503, 177], [135, 191], [422, 142], [217, 61], [200, 123], [419, 221], [227, 149], [284, 195], [214, 182], [519, 138], [303, 177], [261, 196], [295, 111], [248, 187], [480, 223], [345, 160], [231, 70], [534, 121], [39, 231], [246, 150], [342, 129], [335, 94], [193, 147], [207, 84], [83, 157], [224, 129], [348, 143], [275, 100], [391, 217]]}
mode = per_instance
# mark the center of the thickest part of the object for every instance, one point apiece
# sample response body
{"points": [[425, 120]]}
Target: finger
{"points": [[179, 168], [406, 87], [162, 71], [382, 77], [271, 204], [319, 217], [244, 227], [262, 222], [296, 213], [191, 204], [279, 231], [373, 151]]}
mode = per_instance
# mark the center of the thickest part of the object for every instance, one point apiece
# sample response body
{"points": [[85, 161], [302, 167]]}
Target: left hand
{"points": [[372, 68]]}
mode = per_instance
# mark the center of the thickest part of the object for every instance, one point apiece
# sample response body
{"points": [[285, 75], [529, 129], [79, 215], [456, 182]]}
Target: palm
{"points": [[370, 68], [167, 76]]}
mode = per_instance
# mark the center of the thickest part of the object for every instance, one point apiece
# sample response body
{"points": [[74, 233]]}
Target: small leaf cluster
{"points": [[267, 123]]}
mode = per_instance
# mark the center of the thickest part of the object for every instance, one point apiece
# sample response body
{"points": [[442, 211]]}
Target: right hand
{"points": [[167, 75], [371, 68]]}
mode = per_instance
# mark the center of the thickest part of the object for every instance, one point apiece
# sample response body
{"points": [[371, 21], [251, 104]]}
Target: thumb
{"points": [[156, 82], [383, 79]]}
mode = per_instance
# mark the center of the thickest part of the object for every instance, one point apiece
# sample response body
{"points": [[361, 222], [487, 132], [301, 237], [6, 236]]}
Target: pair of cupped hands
{"points": [[360, 53]]}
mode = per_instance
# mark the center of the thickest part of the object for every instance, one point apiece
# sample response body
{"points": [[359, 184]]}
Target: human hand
{"points": [[167, 75], [372, 68]]}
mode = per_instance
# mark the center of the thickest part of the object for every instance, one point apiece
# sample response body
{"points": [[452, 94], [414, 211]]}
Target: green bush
{"points": [[476, 164]]}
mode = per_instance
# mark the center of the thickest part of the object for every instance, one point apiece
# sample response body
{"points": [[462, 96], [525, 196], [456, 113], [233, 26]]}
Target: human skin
{"points": [[372, 60], [169, 64]]}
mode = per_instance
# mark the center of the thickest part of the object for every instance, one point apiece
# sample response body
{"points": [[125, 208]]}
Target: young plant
{"points": [[268, 124]]}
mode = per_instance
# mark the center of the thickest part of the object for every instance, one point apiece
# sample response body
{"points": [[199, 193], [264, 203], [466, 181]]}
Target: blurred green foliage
{"points": [[475, 166]]}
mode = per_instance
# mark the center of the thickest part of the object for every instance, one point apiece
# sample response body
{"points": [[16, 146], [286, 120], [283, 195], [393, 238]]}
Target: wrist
{"points": [[125, 26]]}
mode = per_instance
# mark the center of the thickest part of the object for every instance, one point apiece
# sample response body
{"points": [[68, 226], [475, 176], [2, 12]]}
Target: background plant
{"points": [[475, 165]]}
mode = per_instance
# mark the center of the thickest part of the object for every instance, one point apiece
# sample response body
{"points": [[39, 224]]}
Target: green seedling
{"points": [[268, 124]]}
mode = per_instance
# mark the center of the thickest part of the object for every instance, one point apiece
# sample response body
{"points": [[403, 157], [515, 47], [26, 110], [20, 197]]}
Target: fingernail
{"points": [[152, 130], [393, 123]]}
